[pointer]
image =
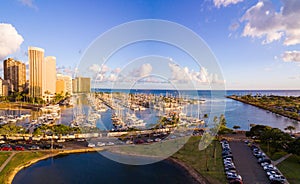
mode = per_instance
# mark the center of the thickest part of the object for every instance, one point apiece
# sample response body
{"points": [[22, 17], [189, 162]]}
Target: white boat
{"points": [[50, 109]]}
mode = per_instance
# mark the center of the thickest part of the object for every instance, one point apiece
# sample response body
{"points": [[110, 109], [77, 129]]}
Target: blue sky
{"points": [[256, 43]]}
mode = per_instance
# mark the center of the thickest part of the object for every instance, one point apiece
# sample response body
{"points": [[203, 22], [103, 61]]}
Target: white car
{"points": [[270, 166], [264, 164], [91, 145], [277, 178], [270, 173], [100, 144], [129, 142], [157, 140], [149, 140], [228, 159], [110, 144]]}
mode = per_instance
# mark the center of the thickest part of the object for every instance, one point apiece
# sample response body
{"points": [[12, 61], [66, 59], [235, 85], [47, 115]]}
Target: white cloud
{"points": [[263, 21], [116, 70], [225, 3], [95, 68], [289, 56], [186, 75], [10, 40], [29, 3], [143, 70]]}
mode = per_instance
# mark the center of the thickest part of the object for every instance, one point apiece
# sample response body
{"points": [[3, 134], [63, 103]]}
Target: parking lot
{"points": [[246, 164]]}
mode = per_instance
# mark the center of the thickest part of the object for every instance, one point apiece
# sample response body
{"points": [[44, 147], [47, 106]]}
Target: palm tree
{"points": [[18, 96], [290, 128]]}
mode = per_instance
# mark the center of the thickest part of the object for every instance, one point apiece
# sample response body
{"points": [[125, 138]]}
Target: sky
{"points": [[255, 44]]}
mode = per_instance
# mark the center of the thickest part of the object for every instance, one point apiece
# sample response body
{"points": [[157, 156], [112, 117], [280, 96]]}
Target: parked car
{"points": [[149, 140], [228, 156], [235, 181], [233, 176], [91, 145], [264, 164], [157, 140], [110, 144], [279, 178], [261, 160], [227, 159], [270, 173], [100, 144], [19, 148], [228, 168], [230, 171], [270, 166], [6, 147], [58, 146], [34, 147]]}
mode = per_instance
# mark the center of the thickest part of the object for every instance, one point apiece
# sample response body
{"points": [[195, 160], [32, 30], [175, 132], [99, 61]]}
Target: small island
{"points": [[288, 106]]}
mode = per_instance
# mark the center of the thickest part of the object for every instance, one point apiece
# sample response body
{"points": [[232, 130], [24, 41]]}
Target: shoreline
{"points": [[190, 172], [61, 152], [262, 107]]}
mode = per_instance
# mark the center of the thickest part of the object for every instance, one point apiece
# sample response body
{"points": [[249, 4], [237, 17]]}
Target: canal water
{"points": [[94, 168]]}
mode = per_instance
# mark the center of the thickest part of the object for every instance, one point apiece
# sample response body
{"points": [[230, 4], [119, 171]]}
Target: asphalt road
{"points": [[246, 164]]}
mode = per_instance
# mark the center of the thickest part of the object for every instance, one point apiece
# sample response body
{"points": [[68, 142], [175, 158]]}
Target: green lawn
{"points": [[19, 159], [4, 156], [197, 159], [290, 168], [270, 151]]}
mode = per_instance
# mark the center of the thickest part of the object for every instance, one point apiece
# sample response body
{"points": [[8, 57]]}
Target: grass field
{"points": [[290, 168], [4, 156], [19, 159], [202, 161], [270, 151]]}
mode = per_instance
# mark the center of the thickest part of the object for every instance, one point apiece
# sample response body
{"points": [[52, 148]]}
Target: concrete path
{"points": [[246, 164], [6, 161], [282, 159]]}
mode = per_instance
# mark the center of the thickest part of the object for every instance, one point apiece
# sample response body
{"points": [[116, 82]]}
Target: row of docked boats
{"points": [[129, 121], [87, 117], [13, 118]]}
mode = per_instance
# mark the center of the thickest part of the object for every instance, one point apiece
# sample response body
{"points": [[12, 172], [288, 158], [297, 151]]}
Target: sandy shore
{"points": [[61, 152]]}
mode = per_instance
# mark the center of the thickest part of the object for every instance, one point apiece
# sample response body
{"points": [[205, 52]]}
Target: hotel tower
{"points": [[35, 58]]}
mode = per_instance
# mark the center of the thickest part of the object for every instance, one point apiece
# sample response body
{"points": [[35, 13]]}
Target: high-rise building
{"points": [[49, 75], [35, 58], [1, 87], [68, 82], [74, 85], [82, 85], [60, 86], [15, 72]]}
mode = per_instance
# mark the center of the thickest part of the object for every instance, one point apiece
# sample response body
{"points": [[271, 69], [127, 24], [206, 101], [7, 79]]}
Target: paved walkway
{"points": [[6, 161], [246, 164], [281, 159]]}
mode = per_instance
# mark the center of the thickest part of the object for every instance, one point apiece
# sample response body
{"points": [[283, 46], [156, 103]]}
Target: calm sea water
{"points": [[236, 113], [94, 168]]}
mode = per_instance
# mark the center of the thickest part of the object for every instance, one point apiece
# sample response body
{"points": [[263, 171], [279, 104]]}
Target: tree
{"points": [[290, 128], [222, 120], [18, 96], [294, 147], [236, 127]]}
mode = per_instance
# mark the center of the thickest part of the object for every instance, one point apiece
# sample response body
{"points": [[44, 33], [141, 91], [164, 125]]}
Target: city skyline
{"points": [[254, 42]]}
